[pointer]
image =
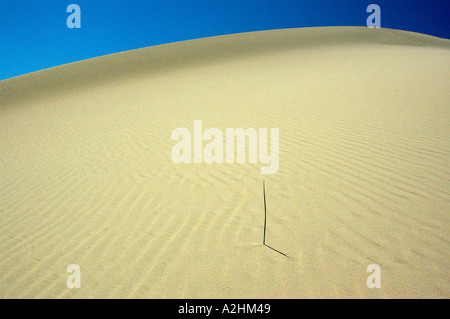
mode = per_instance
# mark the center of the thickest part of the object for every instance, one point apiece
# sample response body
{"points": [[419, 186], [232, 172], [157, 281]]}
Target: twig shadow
{"points": [[277, 251]]}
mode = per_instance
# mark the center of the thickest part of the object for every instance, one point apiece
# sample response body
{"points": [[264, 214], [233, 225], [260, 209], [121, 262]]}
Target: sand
{"points": [[363, 115]]}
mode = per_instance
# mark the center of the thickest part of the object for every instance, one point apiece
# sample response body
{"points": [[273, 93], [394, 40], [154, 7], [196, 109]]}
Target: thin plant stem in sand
{"points": [[265, 222]]}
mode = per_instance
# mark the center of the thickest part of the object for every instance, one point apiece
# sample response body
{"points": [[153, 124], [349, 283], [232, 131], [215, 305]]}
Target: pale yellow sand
{"points": [[87, 178]]}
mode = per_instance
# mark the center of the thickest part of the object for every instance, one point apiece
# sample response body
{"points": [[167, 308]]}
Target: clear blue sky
{"points": [[34, 35]]}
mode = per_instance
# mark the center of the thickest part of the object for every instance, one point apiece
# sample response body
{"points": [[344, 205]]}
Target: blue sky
{"points": [[34, 34]]}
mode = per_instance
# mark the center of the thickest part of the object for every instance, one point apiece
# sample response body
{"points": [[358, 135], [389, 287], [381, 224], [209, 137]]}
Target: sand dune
{"points": [[363, 114]]}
